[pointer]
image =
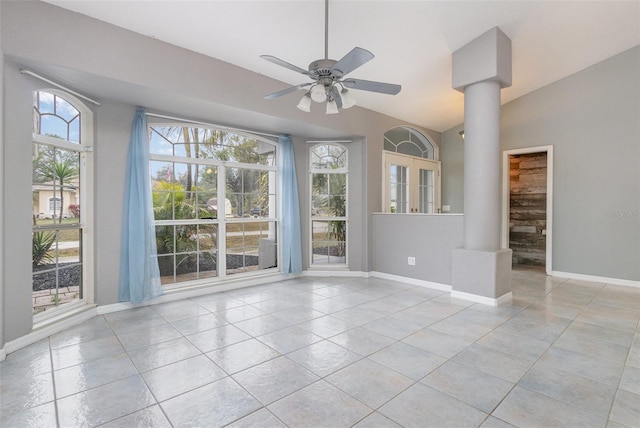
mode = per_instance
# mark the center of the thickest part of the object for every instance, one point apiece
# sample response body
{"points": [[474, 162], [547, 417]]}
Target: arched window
{"points": [[328, 171], [61, 178], [408, 141], [214, 201], [411, 173]]}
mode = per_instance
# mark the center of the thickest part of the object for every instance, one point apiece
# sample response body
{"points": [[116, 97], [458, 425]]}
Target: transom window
{"points": [[328, 177], [214, 202], [61, 162], [56, 117], [408, 141]]}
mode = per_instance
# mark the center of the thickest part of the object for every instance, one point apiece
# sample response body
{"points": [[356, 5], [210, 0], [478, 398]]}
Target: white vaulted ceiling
{"points": [[412, 40]]}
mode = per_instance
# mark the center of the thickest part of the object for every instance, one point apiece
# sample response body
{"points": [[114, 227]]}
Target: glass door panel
{"points": [[426, 191], [398, 186], [397, 183]]}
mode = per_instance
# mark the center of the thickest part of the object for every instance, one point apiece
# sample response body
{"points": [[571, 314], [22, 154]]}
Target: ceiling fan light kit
{"points": [[327, 75], [332, 107], [305, 103], [347, 99], [318, 93]]}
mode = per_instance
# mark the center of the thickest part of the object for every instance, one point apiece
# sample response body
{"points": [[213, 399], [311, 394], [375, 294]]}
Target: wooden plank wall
{"points": [[528, 202]]}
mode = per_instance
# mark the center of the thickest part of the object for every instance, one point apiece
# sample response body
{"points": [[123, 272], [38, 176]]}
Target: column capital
{"points": [[487, 57]]}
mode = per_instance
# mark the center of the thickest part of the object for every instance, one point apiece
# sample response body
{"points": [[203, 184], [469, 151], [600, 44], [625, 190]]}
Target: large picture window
{"points": [[61, 209], [328, 171], [214, 202]]}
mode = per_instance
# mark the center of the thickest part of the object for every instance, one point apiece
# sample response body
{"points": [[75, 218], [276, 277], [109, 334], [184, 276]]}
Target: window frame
{"points": [[429, 159], [56, 205], [222, 220], [313, 217], [413, 165], [416, 138], [84, 147]]}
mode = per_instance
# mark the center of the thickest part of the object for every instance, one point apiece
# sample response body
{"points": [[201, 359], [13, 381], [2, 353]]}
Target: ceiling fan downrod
{"points": [[326, 29]]}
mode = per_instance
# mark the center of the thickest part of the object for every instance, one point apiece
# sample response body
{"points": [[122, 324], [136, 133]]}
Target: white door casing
{"points": [[549, 209], [413, 167]]}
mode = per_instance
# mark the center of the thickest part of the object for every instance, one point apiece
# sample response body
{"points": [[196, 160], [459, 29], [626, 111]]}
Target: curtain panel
{"points": [[139, 272], [291, 247]]}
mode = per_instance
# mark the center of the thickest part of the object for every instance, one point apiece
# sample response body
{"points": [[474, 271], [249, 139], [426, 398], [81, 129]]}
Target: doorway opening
{"points": [[527, 206]]}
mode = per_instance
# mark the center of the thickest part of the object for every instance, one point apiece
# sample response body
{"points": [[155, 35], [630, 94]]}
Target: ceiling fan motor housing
{"points": [[323, 68]]}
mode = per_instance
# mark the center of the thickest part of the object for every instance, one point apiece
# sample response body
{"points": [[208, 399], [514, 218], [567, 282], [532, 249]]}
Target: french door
{"points": [[411, 185]]}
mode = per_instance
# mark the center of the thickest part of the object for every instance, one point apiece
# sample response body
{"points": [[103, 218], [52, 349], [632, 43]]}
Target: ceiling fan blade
{"points": [[286, 91], [335, 94], [354, 59], [368, 85], [284, 64]]}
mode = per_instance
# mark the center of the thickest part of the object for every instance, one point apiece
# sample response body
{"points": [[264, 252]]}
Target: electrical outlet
{"points": [[411, 261]]}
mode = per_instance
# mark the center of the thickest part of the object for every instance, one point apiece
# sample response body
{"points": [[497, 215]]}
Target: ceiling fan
{"points": [[328, 77]]}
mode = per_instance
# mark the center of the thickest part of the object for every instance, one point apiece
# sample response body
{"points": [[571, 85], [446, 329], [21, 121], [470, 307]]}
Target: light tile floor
{"points": [[340, 352]]}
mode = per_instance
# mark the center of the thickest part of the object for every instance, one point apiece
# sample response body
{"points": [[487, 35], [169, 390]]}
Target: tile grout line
{"points": [[549, 347], [53, 381], [530, 300], [624, 368], [139, 374]]}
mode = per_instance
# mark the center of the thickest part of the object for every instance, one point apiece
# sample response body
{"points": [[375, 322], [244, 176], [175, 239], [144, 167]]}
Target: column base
{"points": [[482, 276]]}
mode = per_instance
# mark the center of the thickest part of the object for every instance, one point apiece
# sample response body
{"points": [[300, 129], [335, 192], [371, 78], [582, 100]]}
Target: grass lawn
{"points": [[246, 241], [248, 226], [64, 235]]}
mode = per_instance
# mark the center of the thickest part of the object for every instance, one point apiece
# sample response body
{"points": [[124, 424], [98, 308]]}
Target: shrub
{"points": [[42, 243], [74, 210]]}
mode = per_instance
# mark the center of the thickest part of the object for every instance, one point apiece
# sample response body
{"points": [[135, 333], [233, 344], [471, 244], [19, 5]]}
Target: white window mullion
{"points": [[60, 143], [86, 217], [221, 263]]}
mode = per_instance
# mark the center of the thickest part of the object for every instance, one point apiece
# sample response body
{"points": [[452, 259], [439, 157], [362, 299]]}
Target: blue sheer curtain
{"points": [[139, 272], [290, 245]]}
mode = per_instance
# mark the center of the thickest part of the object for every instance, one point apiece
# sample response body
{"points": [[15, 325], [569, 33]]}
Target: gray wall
{"points": [[110, 158], [592, 119], [452, 157], [17, 215], [122, 70], [428, 238]]}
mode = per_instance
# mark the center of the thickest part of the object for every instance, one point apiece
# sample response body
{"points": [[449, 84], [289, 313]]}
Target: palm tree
{"points": [[62, 172]]}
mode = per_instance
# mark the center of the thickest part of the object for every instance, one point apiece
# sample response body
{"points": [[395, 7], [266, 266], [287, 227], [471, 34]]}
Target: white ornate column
{"points": [[482, 270]]}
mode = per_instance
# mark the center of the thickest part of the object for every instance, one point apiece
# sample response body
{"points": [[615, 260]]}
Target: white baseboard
{"points": [[117, 307], [505, 298], [591, 278], [336, 272], [3, 355], [412, 281], [49, 329], [195, 291]]}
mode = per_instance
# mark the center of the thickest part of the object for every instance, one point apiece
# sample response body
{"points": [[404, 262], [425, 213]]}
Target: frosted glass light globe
{"points": [[318, 93], [305, 103], [332, 107]]}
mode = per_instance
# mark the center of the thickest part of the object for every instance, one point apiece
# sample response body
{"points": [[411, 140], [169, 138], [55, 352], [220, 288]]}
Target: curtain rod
{"points": [[228, 128], [57, 85], [328, 141]]}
